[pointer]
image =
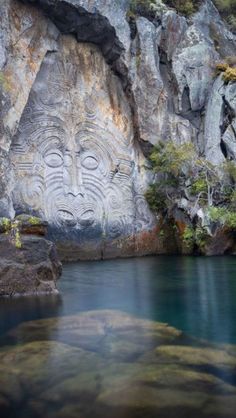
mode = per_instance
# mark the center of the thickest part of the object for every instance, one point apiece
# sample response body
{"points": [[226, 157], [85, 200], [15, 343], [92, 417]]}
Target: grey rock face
{"points": [[31, 269], [220, 123], [77, 118], [213, 122], [74, 160], [147, 85], [97, 21]]}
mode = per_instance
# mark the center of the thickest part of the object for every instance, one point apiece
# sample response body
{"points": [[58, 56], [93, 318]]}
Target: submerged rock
{"points": [[108, 363]]}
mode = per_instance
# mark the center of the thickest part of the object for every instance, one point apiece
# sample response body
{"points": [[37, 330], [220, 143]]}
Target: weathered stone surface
{"points": [[220, 136], [147, 86], [25, 37], [74, 159], [108, 100], [100, 22], [27, 266], [213, 122], [31, 225]]}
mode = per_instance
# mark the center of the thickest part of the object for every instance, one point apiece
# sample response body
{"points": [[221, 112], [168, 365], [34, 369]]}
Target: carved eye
{"points": [[53, 159], [90, 163]]}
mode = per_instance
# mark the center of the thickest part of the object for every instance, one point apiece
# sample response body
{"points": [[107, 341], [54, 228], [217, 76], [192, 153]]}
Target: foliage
{"points": [[5, 223], [199, 186], [155, 198], [227, 8], [12, 229], [185, 7], [192, 184], [172, 160], [142, 8], [188, 236], [181, 173], [201, 236], [223, 216]]}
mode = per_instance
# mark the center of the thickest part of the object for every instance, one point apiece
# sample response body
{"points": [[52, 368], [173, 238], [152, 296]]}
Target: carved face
{"points": [[72, 156]]}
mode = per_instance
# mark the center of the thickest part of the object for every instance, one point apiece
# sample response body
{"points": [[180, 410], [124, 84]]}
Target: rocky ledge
{"points": [[29, 263]]}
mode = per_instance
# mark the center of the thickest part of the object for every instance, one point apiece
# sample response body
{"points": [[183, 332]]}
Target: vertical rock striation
{"points": [[86, 90]]}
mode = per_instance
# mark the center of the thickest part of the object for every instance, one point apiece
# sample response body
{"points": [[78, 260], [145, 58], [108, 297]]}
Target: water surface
{"points": [[194, 294], [101, 348]]}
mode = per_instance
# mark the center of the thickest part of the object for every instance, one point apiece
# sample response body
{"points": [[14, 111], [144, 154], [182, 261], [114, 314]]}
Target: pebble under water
{"points": [[102, 347]]}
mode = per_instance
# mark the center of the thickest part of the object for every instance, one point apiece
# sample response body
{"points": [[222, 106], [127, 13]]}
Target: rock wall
{"points": [[86, 91]]}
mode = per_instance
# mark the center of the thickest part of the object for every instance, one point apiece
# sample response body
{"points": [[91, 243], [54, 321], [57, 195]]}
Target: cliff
{"points": [[87, 88]]}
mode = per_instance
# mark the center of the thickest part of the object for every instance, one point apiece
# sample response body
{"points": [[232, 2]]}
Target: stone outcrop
{"points": [[29, 263], [86, 90]]}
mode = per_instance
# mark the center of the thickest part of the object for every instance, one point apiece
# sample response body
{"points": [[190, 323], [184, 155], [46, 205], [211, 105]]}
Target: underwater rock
{"points": [[91, 374], [108, 329]]}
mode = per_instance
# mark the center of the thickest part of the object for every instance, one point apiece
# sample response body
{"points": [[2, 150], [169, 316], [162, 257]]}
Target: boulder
{"points": [[29, 263]]}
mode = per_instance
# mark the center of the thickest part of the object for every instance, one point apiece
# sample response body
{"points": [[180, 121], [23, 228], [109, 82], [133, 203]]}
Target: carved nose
{"points": [[76, 191], [73, 178], [75, 186]]}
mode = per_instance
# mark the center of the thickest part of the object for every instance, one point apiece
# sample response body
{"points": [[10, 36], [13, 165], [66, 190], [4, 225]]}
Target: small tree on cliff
{"points": [[181, 173]]}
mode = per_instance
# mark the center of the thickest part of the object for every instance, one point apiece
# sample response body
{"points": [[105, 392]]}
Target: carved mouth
{"points": [[66, 217], [87, 218]]}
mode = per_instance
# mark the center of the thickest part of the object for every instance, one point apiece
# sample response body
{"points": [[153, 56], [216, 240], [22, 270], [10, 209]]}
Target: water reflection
{"points": [[195, 294], [20, 309], [91, 359]]}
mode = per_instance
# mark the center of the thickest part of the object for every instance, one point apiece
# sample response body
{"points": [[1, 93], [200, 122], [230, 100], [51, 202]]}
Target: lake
{"points": [[141, 337]]}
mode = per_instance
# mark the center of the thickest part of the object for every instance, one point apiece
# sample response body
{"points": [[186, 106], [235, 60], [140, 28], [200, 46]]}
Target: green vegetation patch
{"points": [[227, 8], [185, 7], [142, 8], [187, 182]]}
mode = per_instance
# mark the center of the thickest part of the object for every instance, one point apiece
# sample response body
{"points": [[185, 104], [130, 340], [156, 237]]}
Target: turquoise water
{"points": [[102, 348], [194, 294]]}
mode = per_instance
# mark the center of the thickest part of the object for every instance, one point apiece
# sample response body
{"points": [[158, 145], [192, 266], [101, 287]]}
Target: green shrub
{"points": [[189, 236], [142, 8], [231, 20], [155, 198], [185, 7], [227, 8], [201, 236], [199, 186], [223, 216]]}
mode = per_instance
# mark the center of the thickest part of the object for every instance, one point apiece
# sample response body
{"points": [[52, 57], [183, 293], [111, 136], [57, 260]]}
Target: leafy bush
{"points": [[201, 236], [185, 7], [224, 216], [155, 198], [189, 236], [227, 8], [142, 8], [199, 186]]}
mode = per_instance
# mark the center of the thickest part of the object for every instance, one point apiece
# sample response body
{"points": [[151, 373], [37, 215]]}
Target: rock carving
{"points": [[73, 155]]}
